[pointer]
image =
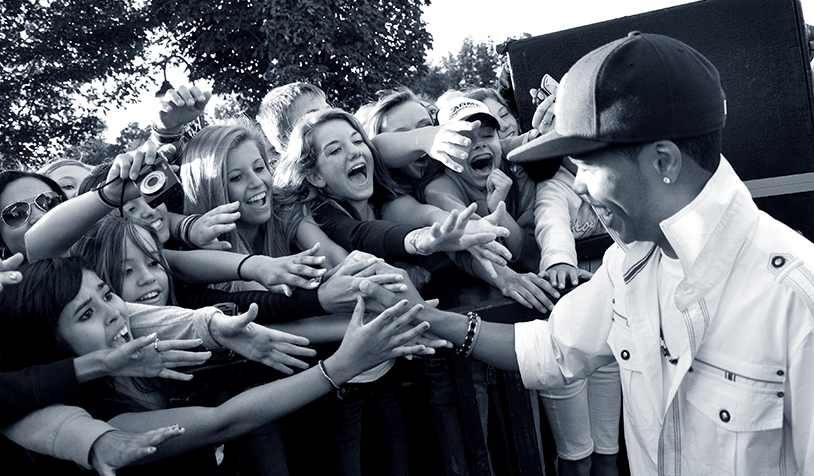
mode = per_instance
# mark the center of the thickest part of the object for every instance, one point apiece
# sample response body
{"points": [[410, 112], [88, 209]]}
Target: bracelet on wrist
{"points": [[239, 266], [186, 228], [103, 198], [472, 332], [321, 364], [107, 201], [163, 137]]}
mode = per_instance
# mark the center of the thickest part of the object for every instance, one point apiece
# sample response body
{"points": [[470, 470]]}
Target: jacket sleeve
{"points": [[272, 308], [59, 431], [172, 322], [799, 392], [381, 238], [573, 342], [552, 224], [36, 387], [445, 194]]}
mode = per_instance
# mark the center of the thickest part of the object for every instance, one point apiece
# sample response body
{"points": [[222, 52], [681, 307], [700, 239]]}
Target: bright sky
{"points": [[451, 21]]}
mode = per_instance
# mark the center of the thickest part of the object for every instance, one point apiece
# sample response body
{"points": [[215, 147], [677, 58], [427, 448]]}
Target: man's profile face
{"points": [[621, 191]]}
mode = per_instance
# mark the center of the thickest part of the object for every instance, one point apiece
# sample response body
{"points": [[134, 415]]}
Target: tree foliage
{"points": [[474, 66], [51, 51], [349, 48]]}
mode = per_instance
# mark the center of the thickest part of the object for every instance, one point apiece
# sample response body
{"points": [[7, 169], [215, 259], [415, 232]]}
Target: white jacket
{"points": [[743, 393]]}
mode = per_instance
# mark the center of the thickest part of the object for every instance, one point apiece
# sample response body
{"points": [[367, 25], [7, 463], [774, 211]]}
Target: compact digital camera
{"points": [[157, 182]]}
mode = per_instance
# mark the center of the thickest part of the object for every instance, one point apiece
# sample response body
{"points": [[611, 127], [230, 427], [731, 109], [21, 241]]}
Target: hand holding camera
{"points": [[548, 88], [544, 99], [150, 172]]}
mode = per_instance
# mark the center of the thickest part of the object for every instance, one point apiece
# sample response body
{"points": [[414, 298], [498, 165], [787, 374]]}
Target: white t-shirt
{"points": [[671, 321]]}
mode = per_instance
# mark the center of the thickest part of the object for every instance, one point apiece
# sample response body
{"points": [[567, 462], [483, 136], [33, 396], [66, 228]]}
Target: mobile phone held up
{"points": [[548, 87]]}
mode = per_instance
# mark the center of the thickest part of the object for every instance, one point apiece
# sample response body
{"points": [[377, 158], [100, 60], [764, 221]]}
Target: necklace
{"points": [[665, 351]]}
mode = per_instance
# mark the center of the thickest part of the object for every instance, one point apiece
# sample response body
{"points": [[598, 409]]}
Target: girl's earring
{"points": [[666, 180]]}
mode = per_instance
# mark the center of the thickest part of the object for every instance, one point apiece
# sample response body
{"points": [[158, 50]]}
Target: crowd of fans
{"points": [[281, 218], [302, 241]]}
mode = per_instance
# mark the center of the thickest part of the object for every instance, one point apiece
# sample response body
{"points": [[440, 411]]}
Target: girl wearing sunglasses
{"points": [[24, 198]]}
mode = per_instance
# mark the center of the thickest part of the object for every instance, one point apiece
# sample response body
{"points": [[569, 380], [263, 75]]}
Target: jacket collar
{"points": [[706, 235]]}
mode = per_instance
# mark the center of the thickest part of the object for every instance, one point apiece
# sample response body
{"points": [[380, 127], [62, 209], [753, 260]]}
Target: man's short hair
{"points": [[704, 150], [275, 111]]}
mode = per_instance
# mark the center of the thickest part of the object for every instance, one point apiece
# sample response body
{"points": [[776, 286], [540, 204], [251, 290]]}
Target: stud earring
{"points": [[666, 180]]}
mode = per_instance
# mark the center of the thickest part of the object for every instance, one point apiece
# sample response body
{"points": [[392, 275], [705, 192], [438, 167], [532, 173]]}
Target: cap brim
{"points": [[552, 146], [484, 118]]}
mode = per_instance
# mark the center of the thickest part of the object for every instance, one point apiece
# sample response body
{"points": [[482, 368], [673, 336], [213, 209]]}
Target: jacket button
{"points": [[781, 394], [724, 416], [625, 354], [781, 373], [690, 369], [778, 261]]}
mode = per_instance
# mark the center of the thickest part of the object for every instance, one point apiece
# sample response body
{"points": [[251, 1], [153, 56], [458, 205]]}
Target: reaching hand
{"points": [[528, 289], [492, 253], [127, 167], [450, 146], [205, 230], [8, 275], [179, 107], [498, 185], [117, 449], [559, 274], [149, 357], [279, 274], [451, 236], [338, 292], [260, 344], [388, 336]]}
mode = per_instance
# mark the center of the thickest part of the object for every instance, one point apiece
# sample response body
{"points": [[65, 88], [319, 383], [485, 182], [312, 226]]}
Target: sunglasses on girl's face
{"points": [[18, 213]]}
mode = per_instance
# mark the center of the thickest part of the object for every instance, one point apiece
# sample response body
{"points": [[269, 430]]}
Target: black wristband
{"points": [[103, 198], [239, 266]]}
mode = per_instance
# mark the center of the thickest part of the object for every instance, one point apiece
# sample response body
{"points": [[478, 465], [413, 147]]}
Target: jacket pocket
{"points": [[631, 372], [733, 420], [737, 399]]}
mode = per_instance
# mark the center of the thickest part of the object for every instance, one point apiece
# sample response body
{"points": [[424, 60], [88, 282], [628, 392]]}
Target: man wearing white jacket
{"points": [[706, 303]]}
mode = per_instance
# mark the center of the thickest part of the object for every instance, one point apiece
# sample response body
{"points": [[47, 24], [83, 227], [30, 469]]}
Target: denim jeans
{"points": [[368, 428]]}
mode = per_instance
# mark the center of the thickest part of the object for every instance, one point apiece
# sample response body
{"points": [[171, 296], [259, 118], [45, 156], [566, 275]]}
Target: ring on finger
{"points": [[155, 344]]}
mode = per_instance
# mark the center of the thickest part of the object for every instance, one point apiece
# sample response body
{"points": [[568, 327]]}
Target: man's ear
{"points": [[315, 179], [667, 159]]}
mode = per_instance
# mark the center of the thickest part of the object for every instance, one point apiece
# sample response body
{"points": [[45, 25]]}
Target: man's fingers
{"points": [[377, 292]]}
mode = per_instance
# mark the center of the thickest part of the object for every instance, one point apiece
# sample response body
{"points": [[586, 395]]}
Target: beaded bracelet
{"points": [[472, 331], [474, 339], [239, 275], [321, 364]]}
